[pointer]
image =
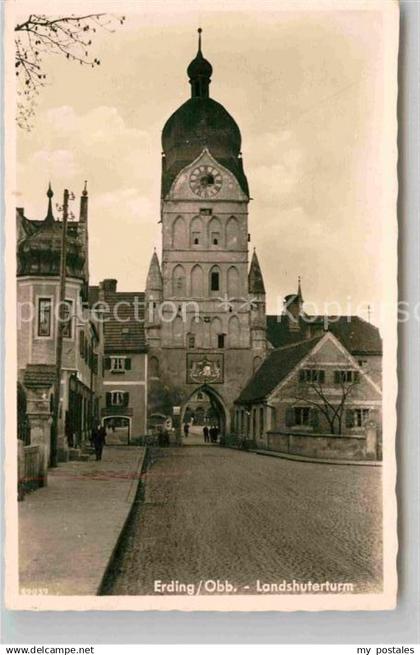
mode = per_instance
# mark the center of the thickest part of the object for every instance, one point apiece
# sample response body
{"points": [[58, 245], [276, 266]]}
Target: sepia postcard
{"points": [[201, 293]]}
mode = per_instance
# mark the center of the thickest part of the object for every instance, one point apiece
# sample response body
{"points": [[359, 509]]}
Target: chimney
{"points": [[109, 285]]}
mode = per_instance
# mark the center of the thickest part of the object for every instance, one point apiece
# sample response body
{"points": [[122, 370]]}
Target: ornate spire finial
{"points": [[299, 293], [85, 192], [199, 72], [49, 217]]}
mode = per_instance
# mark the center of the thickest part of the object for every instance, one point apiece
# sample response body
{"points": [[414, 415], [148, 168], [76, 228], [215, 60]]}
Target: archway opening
{"points": [[117, 430], [202, 415]]}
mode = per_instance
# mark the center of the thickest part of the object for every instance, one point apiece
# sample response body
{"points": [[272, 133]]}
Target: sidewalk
{"points": [[315, 460], [69, 529]]}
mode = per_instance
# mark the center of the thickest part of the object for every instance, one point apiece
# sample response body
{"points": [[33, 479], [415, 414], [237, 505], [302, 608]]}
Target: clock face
{"points": [[205, 181]]}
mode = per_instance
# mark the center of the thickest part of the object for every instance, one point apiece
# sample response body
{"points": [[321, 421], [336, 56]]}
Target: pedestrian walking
{"points": [[186, 429], [98, 437], [206, 434]]}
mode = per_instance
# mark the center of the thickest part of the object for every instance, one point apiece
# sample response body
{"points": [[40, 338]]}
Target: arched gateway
{"points": [[205, 407]]}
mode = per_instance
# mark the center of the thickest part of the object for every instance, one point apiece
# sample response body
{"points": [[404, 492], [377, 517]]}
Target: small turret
{"points": [[153, 297], [255, 278], [293, 307], [256, 291], [154, 281]]}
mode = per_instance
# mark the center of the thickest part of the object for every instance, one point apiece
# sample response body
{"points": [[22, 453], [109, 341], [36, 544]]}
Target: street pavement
{"points": [[214, 513], [69, 529]]}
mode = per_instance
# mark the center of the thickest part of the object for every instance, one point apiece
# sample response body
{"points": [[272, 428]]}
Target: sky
{"points": [[307, 91]]}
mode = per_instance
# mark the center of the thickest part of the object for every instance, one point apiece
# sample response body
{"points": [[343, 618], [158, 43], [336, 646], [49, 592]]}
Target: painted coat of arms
{"points": [[202, 369]]}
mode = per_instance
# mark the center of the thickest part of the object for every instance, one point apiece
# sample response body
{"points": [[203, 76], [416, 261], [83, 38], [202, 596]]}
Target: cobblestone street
{"points": [[215, 513]]}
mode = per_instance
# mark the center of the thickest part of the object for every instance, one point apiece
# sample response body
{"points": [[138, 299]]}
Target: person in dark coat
{"points": [[206, 434], [186, 429], [98, 437]]}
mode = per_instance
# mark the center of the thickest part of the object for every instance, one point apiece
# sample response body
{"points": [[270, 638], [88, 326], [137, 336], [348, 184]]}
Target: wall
{"points": [[320, 446]]}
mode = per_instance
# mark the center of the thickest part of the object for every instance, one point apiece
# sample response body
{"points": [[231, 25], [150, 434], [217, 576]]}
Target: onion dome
{"points": [[40, 252], [200, 123]]}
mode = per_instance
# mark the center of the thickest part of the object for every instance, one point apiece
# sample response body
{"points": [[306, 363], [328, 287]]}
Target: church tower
{"points": [[209, 332]]}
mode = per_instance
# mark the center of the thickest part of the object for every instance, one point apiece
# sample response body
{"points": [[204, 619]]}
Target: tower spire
{"points": [[199, 72]]}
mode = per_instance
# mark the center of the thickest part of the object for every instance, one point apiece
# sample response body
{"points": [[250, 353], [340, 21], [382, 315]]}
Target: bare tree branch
{"points": [[40, 35]]}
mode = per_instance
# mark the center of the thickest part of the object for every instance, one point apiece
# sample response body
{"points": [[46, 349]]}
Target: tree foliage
{"points": [[39, 36]]}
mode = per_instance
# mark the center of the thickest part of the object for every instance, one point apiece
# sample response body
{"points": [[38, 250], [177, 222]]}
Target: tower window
{"points": [[191, 341], [214, 281], [196, 238], [215, 238], [220, 340]]}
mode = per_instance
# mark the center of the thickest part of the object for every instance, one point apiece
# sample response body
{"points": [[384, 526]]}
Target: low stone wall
{"points": [[321, 446], [31, 469]]}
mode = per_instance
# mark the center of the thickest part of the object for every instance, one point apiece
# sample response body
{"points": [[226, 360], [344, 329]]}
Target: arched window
{"points": [[197, 282], [154, 367], [178, 331], [215, 232], [233, 282], [178, 281], [232, 233], [234, 332], [215, 284], [257, 363], [216, 332], [196, 232], [179, 233]]}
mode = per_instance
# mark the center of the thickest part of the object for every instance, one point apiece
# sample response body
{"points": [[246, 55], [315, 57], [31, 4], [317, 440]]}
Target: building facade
{"points": [[313, 398], [39, 244], [205, 310], [123, 402]]}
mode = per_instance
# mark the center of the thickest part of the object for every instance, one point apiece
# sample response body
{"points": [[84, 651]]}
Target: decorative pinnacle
{"points": [[50, 216], [84, 192], [199, 38]]}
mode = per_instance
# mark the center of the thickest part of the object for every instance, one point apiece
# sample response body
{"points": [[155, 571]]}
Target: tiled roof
{"points": [[39, 375], [124, 326], [358, 336], [279, 363]]}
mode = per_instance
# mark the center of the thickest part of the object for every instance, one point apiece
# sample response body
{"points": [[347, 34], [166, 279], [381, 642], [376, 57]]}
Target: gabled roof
{"points": [[274, 369], [358, 336], [124, 325]]}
